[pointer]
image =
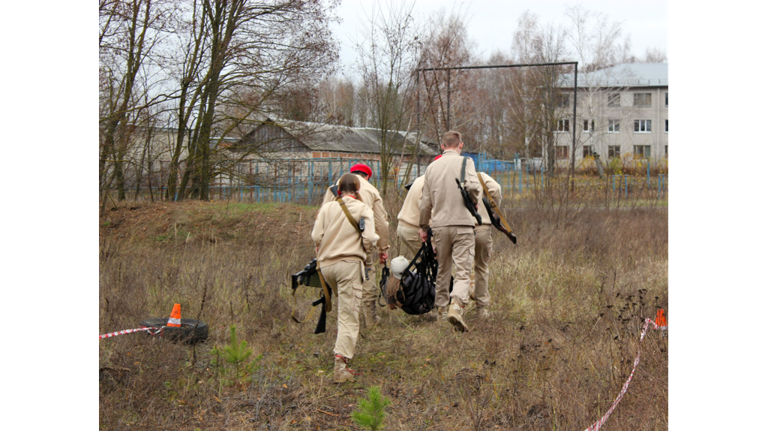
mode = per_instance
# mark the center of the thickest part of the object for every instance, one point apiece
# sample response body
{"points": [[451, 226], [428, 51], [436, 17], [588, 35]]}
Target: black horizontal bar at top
{"points": [[498, 66]]}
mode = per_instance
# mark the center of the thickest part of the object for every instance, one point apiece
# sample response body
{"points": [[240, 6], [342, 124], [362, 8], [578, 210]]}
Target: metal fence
{"points": [[304, 181]]}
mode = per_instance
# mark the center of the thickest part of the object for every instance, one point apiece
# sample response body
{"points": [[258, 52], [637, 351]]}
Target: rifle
{"points": [[468, 203], [311, 276], [496, 222]]}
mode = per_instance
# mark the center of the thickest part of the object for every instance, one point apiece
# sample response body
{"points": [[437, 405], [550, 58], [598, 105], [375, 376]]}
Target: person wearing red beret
{"points": [[370, 196]]}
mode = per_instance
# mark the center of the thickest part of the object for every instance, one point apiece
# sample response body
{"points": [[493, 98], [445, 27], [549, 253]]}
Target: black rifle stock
{"points": [[320, 328], [468, 203]]}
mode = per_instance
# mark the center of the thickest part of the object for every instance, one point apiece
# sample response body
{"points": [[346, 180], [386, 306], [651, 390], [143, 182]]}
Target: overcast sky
{"points": [[491, 22]]}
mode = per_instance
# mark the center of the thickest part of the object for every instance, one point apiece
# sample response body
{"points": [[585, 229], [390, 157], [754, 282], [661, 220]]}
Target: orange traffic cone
{"points": [[660, 319], [175, 319]]}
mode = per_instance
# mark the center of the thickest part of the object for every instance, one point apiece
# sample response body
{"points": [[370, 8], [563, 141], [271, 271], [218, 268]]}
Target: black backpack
{"points": [[416, 294]]}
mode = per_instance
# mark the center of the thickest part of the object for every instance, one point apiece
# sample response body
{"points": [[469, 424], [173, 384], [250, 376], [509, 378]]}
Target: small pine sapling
{"points": [[370, 412], [237, 355]]}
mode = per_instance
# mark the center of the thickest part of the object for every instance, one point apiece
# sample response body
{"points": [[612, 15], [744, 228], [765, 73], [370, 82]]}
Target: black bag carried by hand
{"points": [[416, 293]]}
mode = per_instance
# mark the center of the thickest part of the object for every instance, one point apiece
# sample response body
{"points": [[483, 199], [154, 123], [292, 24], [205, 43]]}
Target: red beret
{"points": [[362, 168], [437, 157]]}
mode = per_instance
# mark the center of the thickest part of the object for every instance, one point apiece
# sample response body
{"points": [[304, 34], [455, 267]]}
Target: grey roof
{"points": [[326, 137], [623, 75]]}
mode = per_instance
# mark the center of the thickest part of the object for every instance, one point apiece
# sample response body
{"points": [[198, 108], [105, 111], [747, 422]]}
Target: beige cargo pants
{"points": [[346, 280], [370, 290], [453, 245], [483, 251], [409, 236]]}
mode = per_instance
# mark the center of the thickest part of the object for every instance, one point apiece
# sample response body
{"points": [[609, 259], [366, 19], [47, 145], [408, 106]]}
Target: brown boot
{"points": [[342, 373], [455, 313], [441, 313]]}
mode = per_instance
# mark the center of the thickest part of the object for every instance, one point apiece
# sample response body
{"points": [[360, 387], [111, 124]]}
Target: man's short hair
{"points": [[451, 139]]}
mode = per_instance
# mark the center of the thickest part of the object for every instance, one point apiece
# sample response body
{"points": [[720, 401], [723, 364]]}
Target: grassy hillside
{"points": [[568, 304]]}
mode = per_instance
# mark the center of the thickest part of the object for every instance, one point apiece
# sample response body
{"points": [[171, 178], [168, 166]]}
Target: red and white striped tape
{"points": [[596, 426], [153, 331]]}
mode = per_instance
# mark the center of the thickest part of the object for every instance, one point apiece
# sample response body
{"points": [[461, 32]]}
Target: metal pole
{"points": [[418, 105], [573, 145], [448, 122]]}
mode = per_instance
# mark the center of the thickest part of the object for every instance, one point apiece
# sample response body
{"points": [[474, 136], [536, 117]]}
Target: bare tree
{"points": [[536, 97], [128, 33], [240, 55], [447, 92], [388, 57], [336, 101], [598, 44]]}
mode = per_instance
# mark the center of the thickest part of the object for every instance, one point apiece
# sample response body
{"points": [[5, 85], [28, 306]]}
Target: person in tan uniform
{"points": [[340, 259], [370, 196], [452, 224], [408, 218], [484, 246]]}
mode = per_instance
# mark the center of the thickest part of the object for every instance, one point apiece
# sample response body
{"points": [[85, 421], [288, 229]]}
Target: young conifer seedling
{"points": [[370, 412], [237, 355]]}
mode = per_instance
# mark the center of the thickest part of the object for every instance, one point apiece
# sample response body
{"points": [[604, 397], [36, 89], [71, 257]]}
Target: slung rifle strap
{"points": [[349, 215], [326, 292]]}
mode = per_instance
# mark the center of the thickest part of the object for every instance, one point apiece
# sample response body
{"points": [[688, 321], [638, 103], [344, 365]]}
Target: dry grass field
{"points": [[569, 303]]}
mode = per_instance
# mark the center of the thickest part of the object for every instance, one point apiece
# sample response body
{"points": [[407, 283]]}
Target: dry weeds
{"points": [[568, 305]]}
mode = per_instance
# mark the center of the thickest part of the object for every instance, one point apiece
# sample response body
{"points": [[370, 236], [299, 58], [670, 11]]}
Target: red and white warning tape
{"points": [[596, 426], [153, 331]]}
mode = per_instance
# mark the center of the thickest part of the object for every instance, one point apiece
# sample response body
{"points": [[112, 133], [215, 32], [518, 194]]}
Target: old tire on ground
{"points": [[191, 331]]}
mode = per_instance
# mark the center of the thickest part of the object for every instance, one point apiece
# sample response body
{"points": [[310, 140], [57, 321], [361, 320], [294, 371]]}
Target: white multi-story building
{"points": [[621, 111]]}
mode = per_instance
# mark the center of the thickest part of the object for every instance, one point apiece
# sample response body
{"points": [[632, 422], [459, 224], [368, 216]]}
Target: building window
{"points": [[643, 151], [614, 151], [561, 152], [642, 126], [642, 99], [666, 126], [666, 151], [614, 99], [589, 126], [563, 125], [666, 99], [588, 151], [563, 100], [613, 126]]}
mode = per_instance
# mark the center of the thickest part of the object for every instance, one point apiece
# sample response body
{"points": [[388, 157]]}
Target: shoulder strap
{"points": [[349, 216], [463, 169]]}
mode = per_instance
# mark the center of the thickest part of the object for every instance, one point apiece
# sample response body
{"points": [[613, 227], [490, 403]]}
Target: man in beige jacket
{"points": [[408, 218], [452, 224], [370, 196], [340, 257], [484, 246]]}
